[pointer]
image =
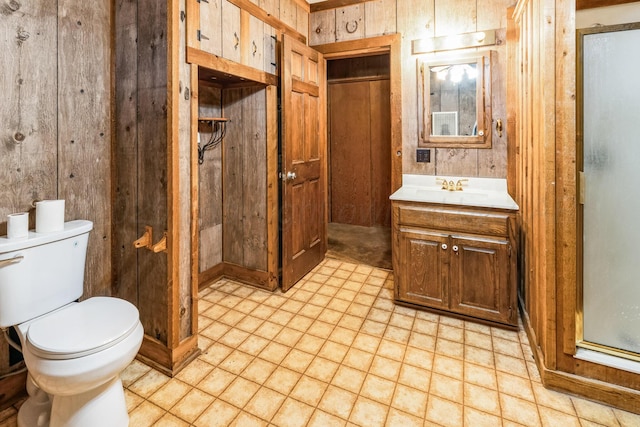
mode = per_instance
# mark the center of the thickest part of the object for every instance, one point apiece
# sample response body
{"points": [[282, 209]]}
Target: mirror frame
{"points": [[483, 102]]}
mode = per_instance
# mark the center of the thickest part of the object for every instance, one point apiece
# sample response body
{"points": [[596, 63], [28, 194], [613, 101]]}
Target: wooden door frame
{"points": [[392, 45]]}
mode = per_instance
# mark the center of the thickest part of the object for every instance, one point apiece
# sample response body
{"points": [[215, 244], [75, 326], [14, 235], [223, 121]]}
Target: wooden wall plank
{"points": [[350, 22], [380, 17], [492, 163], [302, 20], [492, 14], [567, 209], [210, 171], [254, 180], [28, 111], [273, 183], [232, 178], [152, 166], [184, 312], [455, 17], [288, 13], [84, 129], [124, 162], [411, 29], [380, 152], [322, 29], [272, 7], [28, 136]]}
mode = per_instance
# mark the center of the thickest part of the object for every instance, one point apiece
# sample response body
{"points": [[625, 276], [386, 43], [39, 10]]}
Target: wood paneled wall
{"points": [[245, 179], [152, 173], [140, 163], [416, 19], [544, 76], [56, 124], [209, 183], [233, 209]]}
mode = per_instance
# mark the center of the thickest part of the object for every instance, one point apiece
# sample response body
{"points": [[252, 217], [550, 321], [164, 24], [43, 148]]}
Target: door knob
{"points": [[291, 176], [455, 248], [444, 246]]}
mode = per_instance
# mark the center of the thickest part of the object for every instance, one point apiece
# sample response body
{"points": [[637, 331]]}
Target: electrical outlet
{"points": [[423, 155]]}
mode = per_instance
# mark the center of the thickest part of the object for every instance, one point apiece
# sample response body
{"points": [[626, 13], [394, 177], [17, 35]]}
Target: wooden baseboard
{"points": [[260, 279], [166, 360], [210, 276], [610, 394]]}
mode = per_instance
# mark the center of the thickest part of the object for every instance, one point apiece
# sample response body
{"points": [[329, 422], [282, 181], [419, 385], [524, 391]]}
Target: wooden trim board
{"points": [[168, 361], [390, 44], [213, 62]]}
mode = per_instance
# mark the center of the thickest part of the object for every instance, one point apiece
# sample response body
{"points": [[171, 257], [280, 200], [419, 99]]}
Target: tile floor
{"points": [[334, 351]]}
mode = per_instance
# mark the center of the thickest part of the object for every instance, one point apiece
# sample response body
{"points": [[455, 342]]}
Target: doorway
{"points": [[359, 152]]}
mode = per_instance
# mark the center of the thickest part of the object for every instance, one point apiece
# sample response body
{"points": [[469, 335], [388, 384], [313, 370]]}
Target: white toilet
{"points": [[74, 351]]}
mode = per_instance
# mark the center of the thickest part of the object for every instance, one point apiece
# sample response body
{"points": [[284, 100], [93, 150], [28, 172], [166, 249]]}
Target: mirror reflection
{"points": [[454, 104], [453, 99]]}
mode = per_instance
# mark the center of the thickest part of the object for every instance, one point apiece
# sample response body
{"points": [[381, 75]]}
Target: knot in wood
{"points": [[14, 5], [22, 36]]}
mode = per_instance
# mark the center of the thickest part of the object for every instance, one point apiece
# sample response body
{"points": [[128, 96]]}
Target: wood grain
{"points": [[380, 18], [454, 17], [350, 22], [322, 28], [350, 153]]}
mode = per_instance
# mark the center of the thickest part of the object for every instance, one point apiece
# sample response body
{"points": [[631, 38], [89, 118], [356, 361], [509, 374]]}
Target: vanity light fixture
{"points": [[453, 42]]}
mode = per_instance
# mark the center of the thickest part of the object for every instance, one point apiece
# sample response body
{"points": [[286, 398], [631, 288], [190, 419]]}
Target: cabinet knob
{"points": [[455, 248], [444, 246]]}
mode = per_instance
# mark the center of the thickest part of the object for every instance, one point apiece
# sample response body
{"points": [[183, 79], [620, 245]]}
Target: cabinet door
{"points": [[480, 278], [255, 50], [270, 58], [423, 272], [210, 27], [231, 31]]}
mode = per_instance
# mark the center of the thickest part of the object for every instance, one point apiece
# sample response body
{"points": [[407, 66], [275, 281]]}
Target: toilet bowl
{"points": [[74, 351], [76, 354]]}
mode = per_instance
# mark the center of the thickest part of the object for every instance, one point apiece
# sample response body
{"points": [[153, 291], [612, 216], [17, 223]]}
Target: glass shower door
{"points": [[611, 215]]}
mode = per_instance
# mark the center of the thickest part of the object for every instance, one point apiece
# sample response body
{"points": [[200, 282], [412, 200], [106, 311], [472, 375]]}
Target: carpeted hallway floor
{"points": [[362, 245]]}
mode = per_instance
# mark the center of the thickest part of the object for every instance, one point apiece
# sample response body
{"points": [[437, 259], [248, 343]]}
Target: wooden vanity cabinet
{"points": [[456, 259]]}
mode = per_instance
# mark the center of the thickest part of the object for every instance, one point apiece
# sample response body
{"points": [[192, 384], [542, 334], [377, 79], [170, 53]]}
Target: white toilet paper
{"points": [[18, 225], [49, 216]]}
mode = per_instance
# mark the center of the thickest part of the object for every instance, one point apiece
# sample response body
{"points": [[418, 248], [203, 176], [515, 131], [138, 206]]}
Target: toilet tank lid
{"points": [[71, 228], [83, 328]]}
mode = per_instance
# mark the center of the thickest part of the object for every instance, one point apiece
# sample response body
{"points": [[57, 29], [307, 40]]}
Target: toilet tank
{"points": [[42, 272]]}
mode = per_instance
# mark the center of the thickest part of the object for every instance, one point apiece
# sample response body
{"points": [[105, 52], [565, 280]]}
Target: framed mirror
{"points": [[454, 102]]}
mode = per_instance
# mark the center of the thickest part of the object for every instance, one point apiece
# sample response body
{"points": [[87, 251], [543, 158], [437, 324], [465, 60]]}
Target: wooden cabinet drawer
{"points": [[455, 220]]}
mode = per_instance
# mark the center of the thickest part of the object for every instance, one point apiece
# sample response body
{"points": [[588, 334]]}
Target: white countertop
{"points": [[480, 192]]}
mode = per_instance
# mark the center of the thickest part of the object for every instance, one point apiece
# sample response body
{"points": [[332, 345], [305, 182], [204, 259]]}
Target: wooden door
{"points": [[304, 141], [421, 268], [480, 278]]}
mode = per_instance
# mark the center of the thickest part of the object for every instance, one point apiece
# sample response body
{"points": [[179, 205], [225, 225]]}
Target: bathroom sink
{"points": [[476, 192]]}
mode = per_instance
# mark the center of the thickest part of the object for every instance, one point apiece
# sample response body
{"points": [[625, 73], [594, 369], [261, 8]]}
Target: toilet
{"points": [[74, 351]]}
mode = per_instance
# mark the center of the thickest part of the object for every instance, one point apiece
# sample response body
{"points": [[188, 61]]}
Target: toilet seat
{"points": [[82, 329]]}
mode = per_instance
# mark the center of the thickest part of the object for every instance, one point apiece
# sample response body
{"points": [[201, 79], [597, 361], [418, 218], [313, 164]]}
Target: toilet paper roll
{"points": [[18, 225], [49, 216]]}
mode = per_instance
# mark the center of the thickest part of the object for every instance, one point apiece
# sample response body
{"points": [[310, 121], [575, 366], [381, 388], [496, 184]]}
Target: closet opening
{"points": [[359, 159]]}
